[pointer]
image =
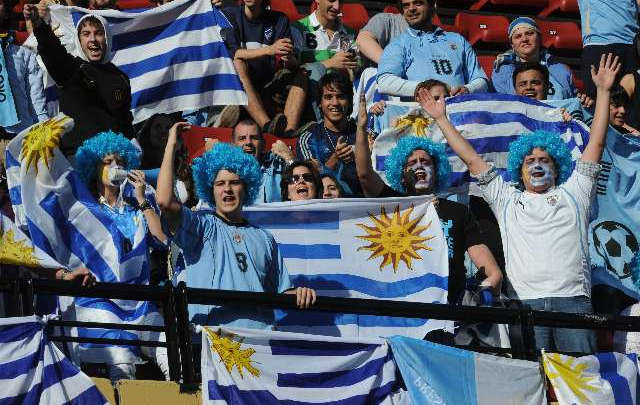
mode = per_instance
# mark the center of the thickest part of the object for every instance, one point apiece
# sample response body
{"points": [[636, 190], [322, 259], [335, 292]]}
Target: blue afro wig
{"points": [[97, 147], [225, 156], [395, 162], [550, 142]]}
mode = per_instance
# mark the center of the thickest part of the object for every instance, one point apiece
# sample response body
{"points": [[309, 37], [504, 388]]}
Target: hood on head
{"points": [[78, 48]]}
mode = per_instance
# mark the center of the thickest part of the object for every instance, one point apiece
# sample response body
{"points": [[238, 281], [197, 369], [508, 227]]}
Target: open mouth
{"points": [[228, 199], [530, 94], [302, 191], [249, 150], [421, 175]]}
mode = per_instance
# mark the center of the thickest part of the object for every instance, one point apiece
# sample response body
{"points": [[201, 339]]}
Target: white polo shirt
{"points": [[544, 236]]}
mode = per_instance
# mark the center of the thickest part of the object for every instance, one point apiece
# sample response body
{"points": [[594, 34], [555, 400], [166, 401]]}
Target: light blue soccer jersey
{"points": [[607, 22], [221, 255], [416, 55]]}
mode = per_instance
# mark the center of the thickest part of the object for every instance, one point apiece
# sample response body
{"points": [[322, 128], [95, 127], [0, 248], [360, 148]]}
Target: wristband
{"points": [[145, 205]]}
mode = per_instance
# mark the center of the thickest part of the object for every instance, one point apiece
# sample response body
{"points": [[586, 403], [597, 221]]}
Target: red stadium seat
{"points": [[483, 28], [486, 61], [20, 36], [287, 7], [354, 15], [560, 34], [134, 4], [565, 6], [520, 3], [391, 9], [194, 139], [451, 28]]}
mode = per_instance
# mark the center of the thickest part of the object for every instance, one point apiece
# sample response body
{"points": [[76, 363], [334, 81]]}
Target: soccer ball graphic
{"points": [[616, 244]]}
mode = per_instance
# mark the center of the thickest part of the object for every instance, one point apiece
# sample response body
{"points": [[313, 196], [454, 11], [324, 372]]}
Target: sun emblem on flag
{"points": [[395, 238], [16, 252], [42, 139], [231, 353], [419, 124], [570, 374]]}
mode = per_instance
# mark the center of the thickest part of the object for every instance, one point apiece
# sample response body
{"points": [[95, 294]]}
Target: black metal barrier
{"points": [[175, 303]]}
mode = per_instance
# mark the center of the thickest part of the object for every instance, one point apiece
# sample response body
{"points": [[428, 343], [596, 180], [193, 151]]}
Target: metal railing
{"points": [[175, 303]]}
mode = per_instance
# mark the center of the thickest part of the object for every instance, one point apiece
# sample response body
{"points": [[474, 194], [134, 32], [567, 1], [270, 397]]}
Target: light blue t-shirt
{"points": [[239, 257], [417, 55], [272, 169], [607, 22]]}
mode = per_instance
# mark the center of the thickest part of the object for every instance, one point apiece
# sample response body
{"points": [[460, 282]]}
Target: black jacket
{"points": [[96, 95]]}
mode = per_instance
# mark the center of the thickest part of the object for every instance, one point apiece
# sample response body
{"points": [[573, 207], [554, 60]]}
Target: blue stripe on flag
{"points": [[378, 289], [39, 239], [495, 97], [10, 161], [15, 368], [205, 53], [342, 378], [108, 305], [492, 118], [619, 384], [15, 194], [109, 334], [51, 94], [315, 251], [183, 87], [318, 348], [298, 318], [294, 219], [194, 22], [14, 333], [233, 394]]}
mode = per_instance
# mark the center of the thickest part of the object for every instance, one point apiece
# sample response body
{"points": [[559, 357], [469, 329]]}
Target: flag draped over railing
{"points": [[34, 371], [247, 366], [490, 122], [173, 55], [391, 249], [66, 222]]}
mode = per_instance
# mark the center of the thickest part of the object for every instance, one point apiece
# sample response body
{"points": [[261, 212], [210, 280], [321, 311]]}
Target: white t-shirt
{"points": [[544, 236]]}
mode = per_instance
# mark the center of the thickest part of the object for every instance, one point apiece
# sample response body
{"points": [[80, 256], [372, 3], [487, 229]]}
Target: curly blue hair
{"points": [[395, 162], [94, 149], [550, 142], [225, 156]]}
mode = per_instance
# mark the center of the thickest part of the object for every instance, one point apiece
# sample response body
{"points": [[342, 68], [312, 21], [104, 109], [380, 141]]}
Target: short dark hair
{"points": [[288, 174], [619, 96], [338, 79], [432, 2], [335, 180], [247, 122], [431, 83], [524, 66], [91, 20]]}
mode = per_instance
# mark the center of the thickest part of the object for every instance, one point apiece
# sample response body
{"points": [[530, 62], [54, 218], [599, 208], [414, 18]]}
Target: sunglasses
{"points": [[307, 177]]}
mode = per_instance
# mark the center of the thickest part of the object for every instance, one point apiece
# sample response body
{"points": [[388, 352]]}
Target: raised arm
{"points": [[604, 80], [369, 46], [369, 180], [168, 204], [437, 110]]}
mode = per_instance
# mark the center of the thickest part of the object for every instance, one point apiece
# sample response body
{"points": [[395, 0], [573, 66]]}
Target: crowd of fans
{"points": [[299, 79]]}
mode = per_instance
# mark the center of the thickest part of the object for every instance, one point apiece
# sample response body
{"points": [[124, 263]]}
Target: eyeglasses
{"points": [[307, 177]]}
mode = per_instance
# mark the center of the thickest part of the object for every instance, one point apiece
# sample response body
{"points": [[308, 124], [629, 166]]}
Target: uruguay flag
{"points": [[604, 378], [34, 371], [389, 249], [437, 374], [66, 222], [490, 122], [249, 366], [17, 248], [173, 55]]}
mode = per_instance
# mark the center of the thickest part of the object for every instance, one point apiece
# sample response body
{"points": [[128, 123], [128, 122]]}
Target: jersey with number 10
{"points": [[312, 40]]}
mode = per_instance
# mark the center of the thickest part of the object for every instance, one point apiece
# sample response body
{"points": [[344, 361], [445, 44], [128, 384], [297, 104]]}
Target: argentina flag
{"points": [[34, 371], [249, 366], [173, 55], [388, 249], [66, 222], [490, 122]]}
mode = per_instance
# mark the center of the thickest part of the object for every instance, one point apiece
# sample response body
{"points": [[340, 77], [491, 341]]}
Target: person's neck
{"points": [[109, 193], [253, 12], [340, 126], [426, 26], [330, 25], [234, 217], [534, 58]]}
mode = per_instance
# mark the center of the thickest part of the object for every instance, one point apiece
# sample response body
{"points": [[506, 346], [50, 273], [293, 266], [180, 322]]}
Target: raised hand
{"points": [[362, 112], [607, 72], [344, 151], [281, 149], [283, 46], [137, 179], [177, 128], [378, 108], [435, 108]]}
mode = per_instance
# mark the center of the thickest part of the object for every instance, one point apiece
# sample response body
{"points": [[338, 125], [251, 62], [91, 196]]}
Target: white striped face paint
{"points": [[538, 171]]}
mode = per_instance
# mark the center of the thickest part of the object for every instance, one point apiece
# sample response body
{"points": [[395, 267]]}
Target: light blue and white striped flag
{"points": [[603, 378], [490, 122], [34, 371], [249, 366], [389, 249], [17, 248], [66, 222], [173, 55]]}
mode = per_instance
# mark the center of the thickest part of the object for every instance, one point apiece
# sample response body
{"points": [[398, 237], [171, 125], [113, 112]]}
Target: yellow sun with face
{"points": [[571, 373], [395, 238], [231, 353], [16, 252], [42, 139]]}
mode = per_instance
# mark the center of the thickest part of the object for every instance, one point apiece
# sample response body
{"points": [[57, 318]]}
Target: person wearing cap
{"points": [[425, 51], [526, 46], [221, 249]]}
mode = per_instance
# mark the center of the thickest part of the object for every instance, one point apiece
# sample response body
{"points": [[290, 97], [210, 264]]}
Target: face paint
{"points": [[112, 174], [423, 175], [538, 174]]}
